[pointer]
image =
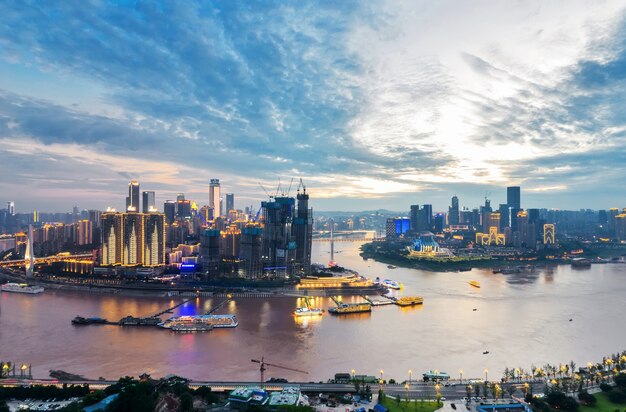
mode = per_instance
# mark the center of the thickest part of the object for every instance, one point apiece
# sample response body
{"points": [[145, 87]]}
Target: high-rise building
{"points": [[133, 240], [11, 208], [250, 250], [414, 216], [230, 202], [503, 209], [453, 211], [84, 230], [169, 208], [513, 197], [425, 216], [132, 201], [440, 220], [148, 202], [111, 244], [302, 231], [279, 247], [215, 197], [154, 239], [210, 251], [548, 234], [94, 217], [183, 208]]}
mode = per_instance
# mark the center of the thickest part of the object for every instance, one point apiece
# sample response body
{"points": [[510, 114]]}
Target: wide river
{"points": [[521, 319]]}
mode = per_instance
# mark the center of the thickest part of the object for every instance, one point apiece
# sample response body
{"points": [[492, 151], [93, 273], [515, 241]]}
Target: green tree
{"points": [[186, 402], [4, 407], [137, 397]]}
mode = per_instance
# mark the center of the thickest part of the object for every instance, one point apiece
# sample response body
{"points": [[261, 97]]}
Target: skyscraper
{"points": [[302, 230], [513, 197], [230, 202], [214, 197], [84, 232], [11, 208], [169, 208], [414, 216], [148, 202], [132, 201], [453, 211]]}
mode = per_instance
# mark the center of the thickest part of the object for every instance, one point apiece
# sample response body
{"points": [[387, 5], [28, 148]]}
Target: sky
{"points": [[373, 104]]}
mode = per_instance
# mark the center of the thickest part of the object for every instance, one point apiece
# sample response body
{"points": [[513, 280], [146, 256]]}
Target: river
{"points": [[521, 319]]}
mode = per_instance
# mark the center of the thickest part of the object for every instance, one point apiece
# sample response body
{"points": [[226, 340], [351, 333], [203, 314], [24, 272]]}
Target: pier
{"points": [[171, 309], [379, 302], [219, 306]]}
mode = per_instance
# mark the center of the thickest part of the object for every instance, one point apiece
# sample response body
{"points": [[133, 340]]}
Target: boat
{"points": [[581, 263], [409, 301], [391, 266], [305, 311], [350, 280], [191, 327], [496, 270], [133, 321], [391, 284], [465, 269], [79, 320], [216, 321], [21, 288], [510, 270], [346, 308], [474, 283]]}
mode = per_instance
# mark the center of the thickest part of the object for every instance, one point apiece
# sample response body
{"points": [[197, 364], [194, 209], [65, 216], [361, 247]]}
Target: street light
{"points": [[381, 375], [517, 372], [486, 372], [526, 386], [410, 376], [353, 372], [406, 386], [461, 375]]}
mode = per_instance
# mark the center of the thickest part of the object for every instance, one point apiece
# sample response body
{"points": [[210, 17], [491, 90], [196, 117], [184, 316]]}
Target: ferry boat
{"points": [[409, 301], [391, 284], [474, 283], [581, 263], [308, 312], [391, 266], [215, 321], [351, 280], [79, 320], [191, 327], [21, 288], [134, 321], [346, 308]]}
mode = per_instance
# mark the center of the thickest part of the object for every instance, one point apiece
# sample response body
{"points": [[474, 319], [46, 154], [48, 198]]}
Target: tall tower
{"points": [[214, 197], [230, 202], [148, 202], [29, 255], [302, 230], [132, 201], [453, 211], [11, 208], [513, 197]]}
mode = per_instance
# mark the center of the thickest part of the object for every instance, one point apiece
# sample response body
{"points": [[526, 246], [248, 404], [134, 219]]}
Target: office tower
{"points": [[180, 196], [230, 202], [440, 220], [513, 197], [302, 232], [84, 232], [214, 197], [169, 208], [603, 217], [154, 239], [453, 211], [183, 208], [132, 201], [250, 250], [111, 234], [230, 240], [133, 240], [11, 208], [548, 234], [425, 216], [613, 212], [503, 209], [210, 251], [414, 217], [94, 217], [522, 229], [279, 248], [148, 202]]}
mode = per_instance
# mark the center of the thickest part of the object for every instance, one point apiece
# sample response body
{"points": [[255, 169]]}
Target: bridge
{"points": [[46, 260], [349, 239]]}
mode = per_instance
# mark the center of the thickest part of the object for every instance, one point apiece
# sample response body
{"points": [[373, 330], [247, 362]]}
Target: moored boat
{"points": [[79, 320], [409, 301], [21, 288], [474, 283], [305, 311], [215, 321], [346, 308], [391, 284]]}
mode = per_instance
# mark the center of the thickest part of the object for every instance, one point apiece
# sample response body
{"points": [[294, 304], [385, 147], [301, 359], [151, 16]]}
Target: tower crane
{"points": [[263, 368]]}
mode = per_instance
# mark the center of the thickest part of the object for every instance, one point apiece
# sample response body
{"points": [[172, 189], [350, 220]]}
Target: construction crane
{"points": [[301, 185], [263, 368]]}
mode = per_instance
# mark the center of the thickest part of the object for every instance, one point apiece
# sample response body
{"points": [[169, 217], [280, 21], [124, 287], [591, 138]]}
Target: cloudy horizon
{"points": [[377, 105]]}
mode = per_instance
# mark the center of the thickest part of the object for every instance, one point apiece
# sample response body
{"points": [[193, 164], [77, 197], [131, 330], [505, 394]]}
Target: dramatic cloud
{"points": [[378, 105]]}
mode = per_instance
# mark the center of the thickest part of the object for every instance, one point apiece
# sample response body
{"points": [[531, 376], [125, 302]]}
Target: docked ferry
{"points": [[346, 308], [21, 288], [215, 321], [304, 311], [409, 301]]}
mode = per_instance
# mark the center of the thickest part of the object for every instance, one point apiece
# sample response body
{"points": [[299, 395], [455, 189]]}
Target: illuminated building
{"points": [[230, 202], [94, 217], [491, 238], [183, 208], [440, 220], [148, 202], [169, 208], [397, 226], [154, 242], [548, 234], [620, 227], [425, 216], [210, 251], [214, 197], [229, 242], [132, 201], [453, 212], [513, 197], [302, 230], [279, 247], [84, 230], [613, 212], [503, 209], [133, 239], [111, 232], [29, 255], [426, 246]]}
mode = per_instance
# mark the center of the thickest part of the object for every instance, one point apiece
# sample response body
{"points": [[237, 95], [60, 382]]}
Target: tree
{"points": [[586, 398], [620, 380], [186, 402], [477, 390], [4, 407], [617, 396], [137, 397]]}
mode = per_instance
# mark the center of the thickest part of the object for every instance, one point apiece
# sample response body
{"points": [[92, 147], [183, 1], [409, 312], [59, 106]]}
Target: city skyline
{"points": [[372, 105]]}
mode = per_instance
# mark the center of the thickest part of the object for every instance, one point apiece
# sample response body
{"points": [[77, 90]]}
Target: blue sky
{"points": [[374, 104]]}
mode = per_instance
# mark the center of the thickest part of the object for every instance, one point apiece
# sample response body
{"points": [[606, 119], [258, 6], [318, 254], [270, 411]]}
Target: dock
{"points": [[171, 309], [379, 302], [219, 306]]}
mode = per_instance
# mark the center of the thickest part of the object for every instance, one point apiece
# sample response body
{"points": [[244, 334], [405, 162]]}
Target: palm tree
{"points": [[572, 366]]}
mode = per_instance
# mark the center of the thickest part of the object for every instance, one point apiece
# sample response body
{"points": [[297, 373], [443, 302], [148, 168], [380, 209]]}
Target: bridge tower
{"points": [[29, 255]]}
